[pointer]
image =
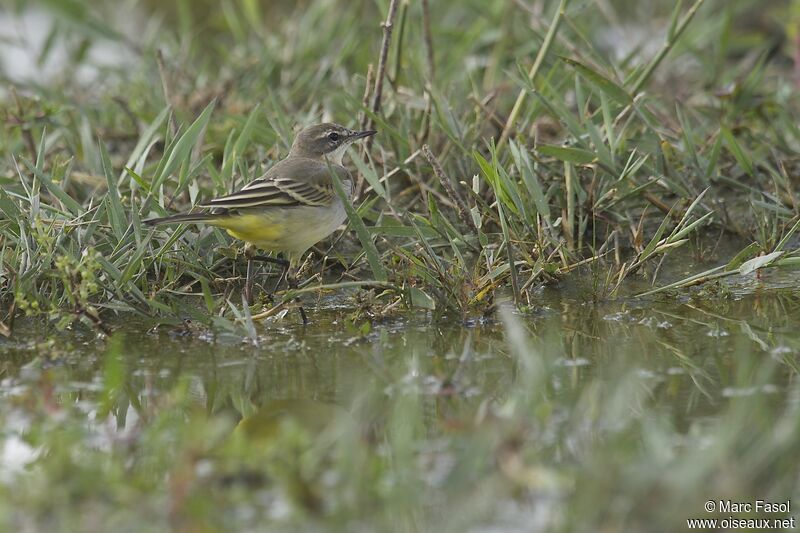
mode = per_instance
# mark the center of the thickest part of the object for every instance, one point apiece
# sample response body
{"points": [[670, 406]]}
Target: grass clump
{"points": [[608, 160]]}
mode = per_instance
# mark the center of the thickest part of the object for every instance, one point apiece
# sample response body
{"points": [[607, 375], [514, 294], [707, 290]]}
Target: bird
{"points": [[292, 206]]}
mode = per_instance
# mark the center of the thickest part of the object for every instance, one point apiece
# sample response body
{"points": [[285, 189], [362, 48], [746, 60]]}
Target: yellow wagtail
{"points": [[292, 206]]}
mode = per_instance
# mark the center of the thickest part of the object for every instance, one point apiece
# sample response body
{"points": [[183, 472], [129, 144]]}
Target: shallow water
{"points": [[664, 338], [683, 356]]}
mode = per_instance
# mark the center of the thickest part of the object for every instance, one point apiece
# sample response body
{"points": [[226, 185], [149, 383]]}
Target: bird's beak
{"points": [[361, 134]]}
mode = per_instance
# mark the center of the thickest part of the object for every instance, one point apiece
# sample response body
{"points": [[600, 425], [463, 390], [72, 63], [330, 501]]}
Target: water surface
{"points": [[560, 378]]}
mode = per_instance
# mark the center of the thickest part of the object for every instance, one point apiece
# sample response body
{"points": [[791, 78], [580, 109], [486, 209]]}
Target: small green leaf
{"points": [[579, 156], [738, 153], [759, 262], [73, 206], [602, 83], [370, 175], [523, 164]]}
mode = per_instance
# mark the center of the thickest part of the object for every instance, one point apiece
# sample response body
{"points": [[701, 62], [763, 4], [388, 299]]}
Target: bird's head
{"points": [[326, 140]]}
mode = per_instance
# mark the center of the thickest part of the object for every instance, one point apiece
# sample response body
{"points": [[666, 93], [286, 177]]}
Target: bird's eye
{"points": [[333, 136]]}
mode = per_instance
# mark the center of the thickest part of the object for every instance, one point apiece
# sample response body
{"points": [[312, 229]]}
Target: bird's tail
{"points": [[184, 217]]}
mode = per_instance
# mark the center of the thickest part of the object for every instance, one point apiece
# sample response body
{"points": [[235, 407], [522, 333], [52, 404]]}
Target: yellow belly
{"points": [[284, 229], [256, 229]]}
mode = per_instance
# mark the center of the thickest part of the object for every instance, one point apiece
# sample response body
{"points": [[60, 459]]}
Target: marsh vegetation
{"points": [[566, 297]]}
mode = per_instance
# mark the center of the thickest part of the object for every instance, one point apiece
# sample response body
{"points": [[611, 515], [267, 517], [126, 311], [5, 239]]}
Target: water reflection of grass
{"points": [[416, 439]]}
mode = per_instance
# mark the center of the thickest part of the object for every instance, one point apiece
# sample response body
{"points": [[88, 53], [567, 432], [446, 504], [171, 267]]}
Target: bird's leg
{"points": [[289, 273], [283, 263], [291, 280], [248, 283], [249, 252]]}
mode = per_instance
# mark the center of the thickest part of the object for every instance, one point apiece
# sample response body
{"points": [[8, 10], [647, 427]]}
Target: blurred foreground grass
{"points": [[611, 418]]}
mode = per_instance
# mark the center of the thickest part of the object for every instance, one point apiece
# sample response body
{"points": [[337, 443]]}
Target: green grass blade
{"points": [[181, 149], [370, 250], [578, 156], [602, 83], [116, 215]]}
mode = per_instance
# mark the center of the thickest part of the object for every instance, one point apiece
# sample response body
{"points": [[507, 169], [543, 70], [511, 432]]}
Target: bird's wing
{"points": [[292, 182]]}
